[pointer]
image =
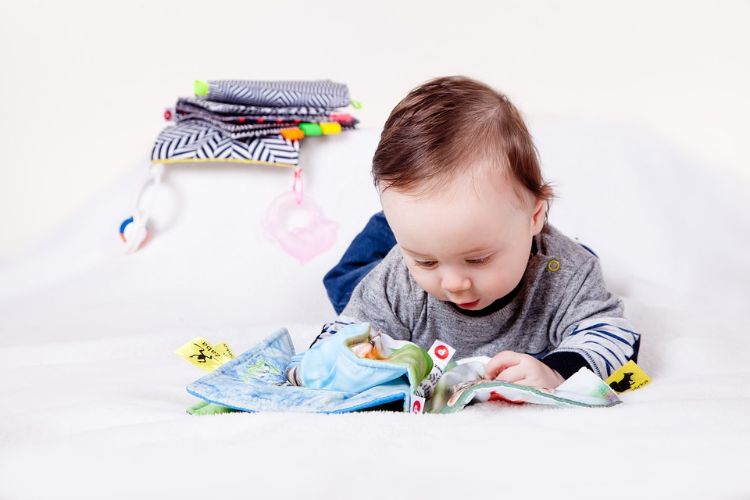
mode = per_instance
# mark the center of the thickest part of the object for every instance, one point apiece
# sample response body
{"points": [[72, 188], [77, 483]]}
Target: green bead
{"points": [[311, 129], [200, 88]]}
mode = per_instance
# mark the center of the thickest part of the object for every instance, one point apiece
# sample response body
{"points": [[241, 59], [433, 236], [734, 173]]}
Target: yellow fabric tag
{"points": [[224, 349], [203, 355], [628, 378]]}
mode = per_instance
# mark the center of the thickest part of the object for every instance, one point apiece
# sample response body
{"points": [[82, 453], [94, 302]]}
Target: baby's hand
{"points": [[522, 369]]}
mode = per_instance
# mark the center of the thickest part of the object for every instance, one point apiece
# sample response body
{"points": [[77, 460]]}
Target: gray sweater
{"points": [[560, 312]]}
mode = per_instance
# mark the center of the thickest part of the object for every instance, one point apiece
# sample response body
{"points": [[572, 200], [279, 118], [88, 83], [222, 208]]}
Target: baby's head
{"points": [[460, 184]]}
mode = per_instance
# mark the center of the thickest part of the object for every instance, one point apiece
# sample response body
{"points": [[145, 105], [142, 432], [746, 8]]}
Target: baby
{"points": [[463, 251]]}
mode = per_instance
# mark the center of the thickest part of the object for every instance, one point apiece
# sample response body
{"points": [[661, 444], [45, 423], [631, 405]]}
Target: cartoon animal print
{"points": [[202, 357], [264, 371], [624, 384]]}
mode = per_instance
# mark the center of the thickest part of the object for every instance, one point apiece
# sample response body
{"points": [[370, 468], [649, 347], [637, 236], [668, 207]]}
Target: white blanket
{"points": [[93, 396]]}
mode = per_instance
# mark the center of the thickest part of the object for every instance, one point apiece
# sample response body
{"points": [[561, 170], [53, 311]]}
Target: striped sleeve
{"points": [[591, 328], [605, 344]]}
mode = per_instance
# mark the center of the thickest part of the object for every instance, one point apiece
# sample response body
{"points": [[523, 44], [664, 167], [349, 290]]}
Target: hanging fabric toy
{"points": [[251, 122]]}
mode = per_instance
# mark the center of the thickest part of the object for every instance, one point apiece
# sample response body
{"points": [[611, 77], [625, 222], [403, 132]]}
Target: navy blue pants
{"points": [[367, 250]]}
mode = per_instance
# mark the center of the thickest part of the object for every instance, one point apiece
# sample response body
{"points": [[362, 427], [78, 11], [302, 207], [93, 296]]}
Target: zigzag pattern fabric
{"points": [[323, 93], [198, 141]]}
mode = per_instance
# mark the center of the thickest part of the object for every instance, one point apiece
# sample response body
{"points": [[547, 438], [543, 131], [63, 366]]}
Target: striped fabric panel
{"points": [[244, 134], [252, 129], [324, 93], [245, 120], [191, 141], [606, 343], [239, 109]]}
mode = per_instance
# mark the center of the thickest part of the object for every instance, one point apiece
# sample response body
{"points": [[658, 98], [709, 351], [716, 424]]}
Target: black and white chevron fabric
{"points": [[187, 113], [324, 93], [198, 141], [222, 108]]}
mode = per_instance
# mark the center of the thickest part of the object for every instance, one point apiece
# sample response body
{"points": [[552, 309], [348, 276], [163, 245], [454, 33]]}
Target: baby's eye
{"points": [[427, 264], [483, 260]]}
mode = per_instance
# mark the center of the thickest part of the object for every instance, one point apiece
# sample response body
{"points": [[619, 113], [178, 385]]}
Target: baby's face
{"points": [[467, 243]]}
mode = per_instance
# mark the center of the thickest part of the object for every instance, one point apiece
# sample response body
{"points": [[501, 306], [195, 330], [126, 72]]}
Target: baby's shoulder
{"points": [[561, 250]]}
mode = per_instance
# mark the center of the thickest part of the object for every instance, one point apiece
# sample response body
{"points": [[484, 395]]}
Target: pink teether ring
{"points": [[301, 242]]}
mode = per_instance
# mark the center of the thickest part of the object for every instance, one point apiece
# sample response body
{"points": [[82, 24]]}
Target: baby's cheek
{"points": [[428, 281], [498, 286], [432, 287], [492, 282]]}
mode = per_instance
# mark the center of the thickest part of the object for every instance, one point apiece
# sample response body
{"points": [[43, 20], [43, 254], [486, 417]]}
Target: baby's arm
{"points": [[589, 329]]}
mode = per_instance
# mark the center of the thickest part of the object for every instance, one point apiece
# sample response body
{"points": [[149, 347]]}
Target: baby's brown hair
{"points": [[447, 124]]}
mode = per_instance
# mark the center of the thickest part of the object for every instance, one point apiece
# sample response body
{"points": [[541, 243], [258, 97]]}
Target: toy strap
{"points": [[298, 187], [134, 230]]}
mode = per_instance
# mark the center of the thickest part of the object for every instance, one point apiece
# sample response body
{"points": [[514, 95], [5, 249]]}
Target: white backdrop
{"points": [[84, 83], [638, 111]]}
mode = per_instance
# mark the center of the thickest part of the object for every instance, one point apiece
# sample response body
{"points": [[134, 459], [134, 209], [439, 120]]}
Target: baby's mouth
{"points": [[468, 305]]}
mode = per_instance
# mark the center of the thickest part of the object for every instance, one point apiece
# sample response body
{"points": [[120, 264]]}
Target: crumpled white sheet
{"points": [[94, 399]]}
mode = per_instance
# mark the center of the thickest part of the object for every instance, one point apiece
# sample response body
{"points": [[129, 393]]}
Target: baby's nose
{"points": [[455, 283]]}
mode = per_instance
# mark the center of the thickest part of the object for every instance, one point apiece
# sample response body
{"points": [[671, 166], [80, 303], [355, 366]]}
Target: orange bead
{"points": [[292, 134]]}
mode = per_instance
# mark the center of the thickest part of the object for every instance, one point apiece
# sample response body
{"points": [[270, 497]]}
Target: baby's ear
{"points": [[538, 216]]}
